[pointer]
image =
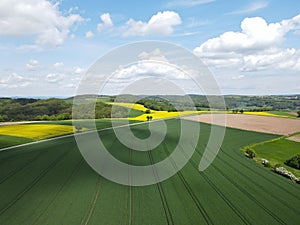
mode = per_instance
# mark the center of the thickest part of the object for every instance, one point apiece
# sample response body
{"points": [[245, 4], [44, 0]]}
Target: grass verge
{"points": [[276, 151]]}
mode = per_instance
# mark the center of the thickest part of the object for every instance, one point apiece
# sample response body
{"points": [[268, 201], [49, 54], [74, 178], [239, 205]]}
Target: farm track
{"points": [[290, 184], [263, 173], [190, 190], [161, 193], [223, 197], [92, 204], [261, 186], [35, 181], [247, 194], [130, 189]]}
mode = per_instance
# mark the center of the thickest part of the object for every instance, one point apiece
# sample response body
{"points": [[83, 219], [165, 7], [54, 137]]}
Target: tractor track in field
{"points": [[189, 189], [128, 195], [223, 197], [86, 218], [35, 181], [266, 178], [260, 186], [76, 168], [130, 189], [247, 194], [161, 193], [242, 157], [15, 171], [14, 156]]}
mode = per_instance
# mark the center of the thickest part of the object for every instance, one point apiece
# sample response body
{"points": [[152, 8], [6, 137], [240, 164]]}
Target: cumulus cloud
{"points": [[78, 70], [40, 18], [32, 64], [144, 69], [161, 24], [106, 22], [255, 47], [89, 34], [58, 64], [54, 77], [156, 55]]}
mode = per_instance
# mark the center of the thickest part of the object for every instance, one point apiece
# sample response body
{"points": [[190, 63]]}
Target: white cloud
{"points": [[89, 34], [40, 18], [32, 64], [54, 77], [106, 22], [256, 47], [78, 70], [14, 81], [149, 68], [187, 3], [156, 55], [161, 24], [58, 64], [254, 6], [237, 77]]}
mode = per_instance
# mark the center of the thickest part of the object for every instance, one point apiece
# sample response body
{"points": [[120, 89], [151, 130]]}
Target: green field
{"points": [[50, 183], [7, 141], [277, 152]]}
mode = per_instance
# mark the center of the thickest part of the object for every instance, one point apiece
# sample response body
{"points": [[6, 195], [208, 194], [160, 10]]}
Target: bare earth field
{"points": [[265, 124]]}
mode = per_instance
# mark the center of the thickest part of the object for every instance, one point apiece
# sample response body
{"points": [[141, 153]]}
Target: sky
{"points": [[251, 47]]}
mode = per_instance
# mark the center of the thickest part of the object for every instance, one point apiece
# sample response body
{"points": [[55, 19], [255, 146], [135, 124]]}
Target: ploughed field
{"points": [[50, 183], [259, 123]]}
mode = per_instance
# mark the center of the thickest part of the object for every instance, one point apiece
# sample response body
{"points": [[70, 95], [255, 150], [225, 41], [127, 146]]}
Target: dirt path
{"points": [[273, 125], [21, 122], [295, 138]]}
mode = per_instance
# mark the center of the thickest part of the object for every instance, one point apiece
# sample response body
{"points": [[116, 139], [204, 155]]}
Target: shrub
{"points": [[250, 153], [294, 162], [148, 111]]}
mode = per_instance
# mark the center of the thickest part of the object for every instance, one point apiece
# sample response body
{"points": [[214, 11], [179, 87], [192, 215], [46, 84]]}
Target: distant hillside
{"points": [[50, 109], [22, 109], [251, 103]]}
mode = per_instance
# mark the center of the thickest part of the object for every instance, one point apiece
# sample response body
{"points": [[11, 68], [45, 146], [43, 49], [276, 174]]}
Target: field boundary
{"points": [[74, 134]]}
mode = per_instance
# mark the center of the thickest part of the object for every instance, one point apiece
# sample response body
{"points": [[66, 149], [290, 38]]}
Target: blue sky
{"points": [[252, 47]]}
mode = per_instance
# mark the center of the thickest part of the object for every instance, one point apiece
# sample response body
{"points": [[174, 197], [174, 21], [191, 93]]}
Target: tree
{"points": [[149, 118], [298, 113], [250, 153], [294, 162], [148, 111], [241, 111]]}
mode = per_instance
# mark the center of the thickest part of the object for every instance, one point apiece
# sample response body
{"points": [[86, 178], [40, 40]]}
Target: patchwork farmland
{"points": [[50, 183]]}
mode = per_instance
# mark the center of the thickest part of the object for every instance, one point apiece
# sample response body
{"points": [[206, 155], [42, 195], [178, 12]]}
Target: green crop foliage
{"points": [[7, 141], [50, 183], [278, 151]]}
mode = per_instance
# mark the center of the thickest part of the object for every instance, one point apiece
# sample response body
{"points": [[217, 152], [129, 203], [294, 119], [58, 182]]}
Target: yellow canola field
{"points": [[260, 114], [155, 114], [36, 131], [165, 114], [129, 105]]}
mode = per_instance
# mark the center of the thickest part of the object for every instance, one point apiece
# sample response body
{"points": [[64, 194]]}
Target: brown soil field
{"points": [[265, 124]]}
